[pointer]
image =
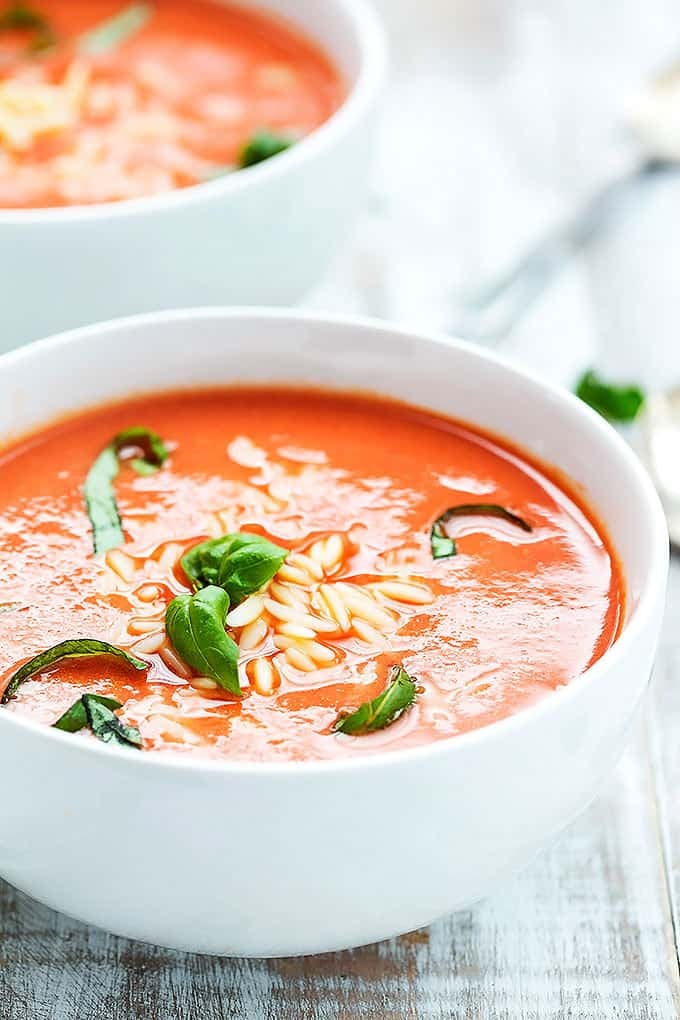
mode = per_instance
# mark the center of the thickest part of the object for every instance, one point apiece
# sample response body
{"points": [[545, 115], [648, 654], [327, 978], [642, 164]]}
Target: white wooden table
{"points": [[500, 116], [587, 932]]}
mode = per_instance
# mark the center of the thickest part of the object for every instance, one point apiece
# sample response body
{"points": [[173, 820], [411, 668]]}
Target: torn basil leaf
{"points": [[75, 648], [107, 726], [100, 498], [382, 711], [615, 403], [195, 626], [116, 30], [241, 563], [75, 717], [263, 145], [442, 546], [19, 17]]}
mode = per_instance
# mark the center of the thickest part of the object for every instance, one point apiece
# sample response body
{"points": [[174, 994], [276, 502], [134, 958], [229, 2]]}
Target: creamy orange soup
{"points": [[102, 101], [485, 610]]}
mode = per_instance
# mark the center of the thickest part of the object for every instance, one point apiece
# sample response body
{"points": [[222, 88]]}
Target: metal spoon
{"points": [[489, 314], [658, 449]]}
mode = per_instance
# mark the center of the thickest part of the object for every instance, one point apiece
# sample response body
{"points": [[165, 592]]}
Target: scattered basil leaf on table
{"points": [[100, 498], [116, 30], [75, 717], [241, 563], [19, 17], [399, 695], [442, 546], [75, 648], [263, 145], [615, 403], [107, 726], [195, 626]]}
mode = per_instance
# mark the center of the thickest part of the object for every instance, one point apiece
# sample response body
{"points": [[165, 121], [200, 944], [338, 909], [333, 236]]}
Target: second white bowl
{"points": [[262, 235]]}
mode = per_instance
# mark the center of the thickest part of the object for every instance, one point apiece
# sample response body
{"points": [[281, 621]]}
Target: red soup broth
{"points": [[350, 486], [173, 103]]}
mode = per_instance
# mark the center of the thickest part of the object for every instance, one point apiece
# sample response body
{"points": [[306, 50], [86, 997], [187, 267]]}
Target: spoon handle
{"points": [[487, 315]]}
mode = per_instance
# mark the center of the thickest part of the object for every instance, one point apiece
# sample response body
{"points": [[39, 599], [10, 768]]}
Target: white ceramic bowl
{"points": [[278, 859], [262, 235]]}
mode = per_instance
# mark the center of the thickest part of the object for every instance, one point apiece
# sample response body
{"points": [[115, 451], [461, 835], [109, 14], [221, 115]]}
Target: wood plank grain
{"points": [[665, 743], [585, 932]]}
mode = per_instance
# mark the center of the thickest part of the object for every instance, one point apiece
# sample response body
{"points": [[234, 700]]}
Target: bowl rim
{"points": [[641, 618], [371, 41]]}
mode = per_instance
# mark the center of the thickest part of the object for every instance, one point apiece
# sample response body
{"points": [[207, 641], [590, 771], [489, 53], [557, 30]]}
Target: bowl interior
{"points": [[211, 347]]}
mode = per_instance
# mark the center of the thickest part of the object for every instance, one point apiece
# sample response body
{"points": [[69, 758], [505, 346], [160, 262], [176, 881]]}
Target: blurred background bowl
{"points": [[262, 235]]}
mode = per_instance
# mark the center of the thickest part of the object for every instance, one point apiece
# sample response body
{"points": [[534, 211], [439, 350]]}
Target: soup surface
{"points": [[348, 487], [100, 101]]}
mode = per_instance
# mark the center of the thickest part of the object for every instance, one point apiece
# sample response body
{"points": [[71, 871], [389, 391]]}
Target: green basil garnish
{"points": [[241, 563], [195, 626], [107, 726], [399, 695], [100, 497], [116, 30], [442, 546], [75, 648], [75, 717], [263, 145], [615, 403], [20, 17]]}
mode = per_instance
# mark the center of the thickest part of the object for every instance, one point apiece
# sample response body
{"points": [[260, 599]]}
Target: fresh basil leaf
{"points": [[201, 563], [241, 563], [100, 498], [75, 648], [153, 450], [615, 403], [195, 626], [75, 717], [107, 726], [399, 695], [442, 546], [116, 30], [20, 17], [263, 145]]}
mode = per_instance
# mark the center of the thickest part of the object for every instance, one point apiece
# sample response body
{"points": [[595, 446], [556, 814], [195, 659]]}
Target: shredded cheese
{"points": [[30, 110]]}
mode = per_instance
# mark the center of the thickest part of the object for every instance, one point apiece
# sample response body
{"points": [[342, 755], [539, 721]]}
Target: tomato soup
{"points": [[100, 101], [280, 574]]}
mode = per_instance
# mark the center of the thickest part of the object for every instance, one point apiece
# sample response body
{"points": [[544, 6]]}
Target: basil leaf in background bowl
{"points": [[263, 145]]}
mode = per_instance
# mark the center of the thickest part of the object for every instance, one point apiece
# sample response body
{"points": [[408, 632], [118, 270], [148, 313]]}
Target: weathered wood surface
{"points": [[587, 931]]}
